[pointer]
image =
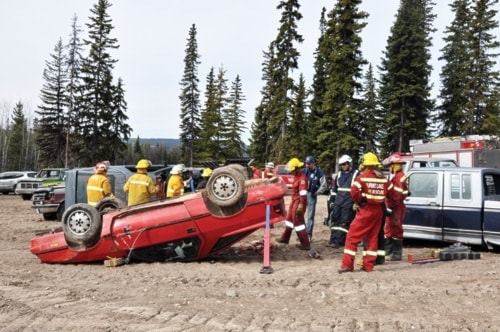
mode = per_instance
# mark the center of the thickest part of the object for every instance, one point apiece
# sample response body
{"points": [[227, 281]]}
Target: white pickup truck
{"points": [[455, 204]]}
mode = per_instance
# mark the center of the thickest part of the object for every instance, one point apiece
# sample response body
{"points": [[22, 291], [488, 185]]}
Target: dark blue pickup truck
{"points": [[455, 204]]}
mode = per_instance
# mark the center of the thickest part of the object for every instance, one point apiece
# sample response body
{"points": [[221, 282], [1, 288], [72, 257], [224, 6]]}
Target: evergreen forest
{"points": [[351, 106]]}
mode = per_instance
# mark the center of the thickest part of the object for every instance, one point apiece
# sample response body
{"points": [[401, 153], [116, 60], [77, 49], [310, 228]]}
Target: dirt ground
{"points": [[228, 292]]}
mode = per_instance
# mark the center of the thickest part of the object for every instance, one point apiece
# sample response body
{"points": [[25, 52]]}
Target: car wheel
{"points": [[109, 204], [82, 226], [226, 186], [246, 171], [49, 216], [26, 197]]}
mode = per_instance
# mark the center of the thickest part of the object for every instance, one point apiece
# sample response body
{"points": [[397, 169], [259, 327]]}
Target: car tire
{"points": [[226, 186], [82, 225], [246, 171], [109, 204], [26, 197]]}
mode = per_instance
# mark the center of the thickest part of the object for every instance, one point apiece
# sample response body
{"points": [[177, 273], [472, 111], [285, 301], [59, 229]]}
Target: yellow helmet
{"points": [[143, 163], [370, 159], [206, 172], [293, 164]]}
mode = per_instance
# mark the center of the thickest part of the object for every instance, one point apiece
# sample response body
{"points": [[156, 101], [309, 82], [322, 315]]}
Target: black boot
{"points": [[388, 246], [380, 260], [397, 253]]}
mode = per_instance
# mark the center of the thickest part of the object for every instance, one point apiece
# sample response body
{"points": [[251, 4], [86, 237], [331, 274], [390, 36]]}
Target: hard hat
{"points": [[177, 169], [345, 159], [143, 163], [293, 164], [206, 172], [309, 160], [270, 165], [370, 159], [393, 159], [101, 167]]}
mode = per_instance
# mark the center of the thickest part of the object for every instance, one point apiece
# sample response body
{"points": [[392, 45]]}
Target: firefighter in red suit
{"points": [[295, 217], [393, 230], [369, 191]]}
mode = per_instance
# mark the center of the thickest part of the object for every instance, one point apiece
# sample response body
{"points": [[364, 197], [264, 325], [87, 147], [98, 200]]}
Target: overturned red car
{"points": [[188, 228]]}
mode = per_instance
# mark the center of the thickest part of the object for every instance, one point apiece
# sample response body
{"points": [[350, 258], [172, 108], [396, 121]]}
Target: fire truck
{"points": [[467, 151]]}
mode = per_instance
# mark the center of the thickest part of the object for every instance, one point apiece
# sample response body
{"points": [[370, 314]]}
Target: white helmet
{"points": [[345, 159], [270, 165], [177, 169]]}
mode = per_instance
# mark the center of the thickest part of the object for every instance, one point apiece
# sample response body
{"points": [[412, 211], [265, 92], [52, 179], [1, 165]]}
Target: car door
{"points": [[463, 208], [424, 206]]}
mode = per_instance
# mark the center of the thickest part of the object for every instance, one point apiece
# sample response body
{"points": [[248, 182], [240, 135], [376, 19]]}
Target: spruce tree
{"points": [[284, 62], [190, 100], [208, 143], [97, 104], [260, 138], [297, 143], [234, 123], [455, 71], [318, 90], [405, 80], [341, 49], [369, 115], [482, 107], [73, 63], [52, 122], [17, 140]]}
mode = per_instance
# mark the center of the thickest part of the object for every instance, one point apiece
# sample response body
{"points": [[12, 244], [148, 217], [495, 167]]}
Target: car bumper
{"points": [[45, 208]]}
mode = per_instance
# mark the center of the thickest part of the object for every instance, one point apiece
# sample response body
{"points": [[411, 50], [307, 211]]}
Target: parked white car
{"points": [[9, 180]]}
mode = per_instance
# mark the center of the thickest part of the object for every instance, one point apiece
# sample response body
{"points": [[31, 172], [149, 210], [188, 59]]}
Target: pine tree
{"points": [[190, 100], [297, 143], [233, 116], [97, 103], [405, 86], [283, 64], [369, 117], [52, 122], [482, 107], [318, 90], [455, 73], [73, 64], [260, 138], [208, 145], [341, 49], [17, 140]]}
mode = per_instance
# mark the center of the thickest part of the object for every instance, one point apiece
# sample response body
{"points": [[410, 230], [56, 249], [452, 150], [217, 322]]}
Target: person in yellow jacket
{"points": [[98, 186], [175, 185], [140, 187]]}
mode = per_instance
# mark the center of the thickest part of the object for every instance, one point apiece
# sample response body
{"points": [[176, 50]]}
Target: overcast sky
{"points": [[152, 35]]}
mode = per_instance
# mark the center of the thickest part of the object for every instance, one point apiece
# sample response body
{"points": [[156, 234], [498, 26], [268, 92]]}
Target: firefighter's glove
{"points": [[355, 207], [332, 204], [300, 210]]}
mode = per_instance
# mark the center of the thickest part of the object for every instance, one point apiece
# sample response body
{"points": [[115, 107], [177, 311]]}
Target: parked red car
{"points": [[188, 228]]}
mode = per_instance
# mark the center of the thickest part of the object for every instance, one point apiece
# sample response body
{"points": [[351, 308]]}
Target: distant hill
{"points": [[169, 142]]}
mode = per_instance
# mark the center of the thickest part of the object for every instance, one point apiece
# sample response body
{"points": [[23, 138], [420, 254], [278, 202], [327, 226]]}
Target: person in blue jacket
{"points": [[316, 185]]}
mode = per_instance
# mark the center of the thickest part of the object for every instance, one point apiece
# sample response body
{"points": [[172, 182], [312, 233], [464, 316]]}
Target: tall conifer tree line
{"points": [[350, 107]]}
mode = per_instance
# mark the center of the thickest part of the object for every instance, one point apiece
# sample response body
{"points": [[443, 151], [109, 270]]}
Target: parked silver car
{"points": [[9, 180]]}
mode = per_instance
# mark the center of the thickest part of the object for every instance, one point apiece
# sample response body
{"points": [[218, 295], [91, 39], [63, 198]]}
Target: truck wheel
{"points": [[82, 225], [49, 216], [26, 197], [226, 186], [109, 204]]}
